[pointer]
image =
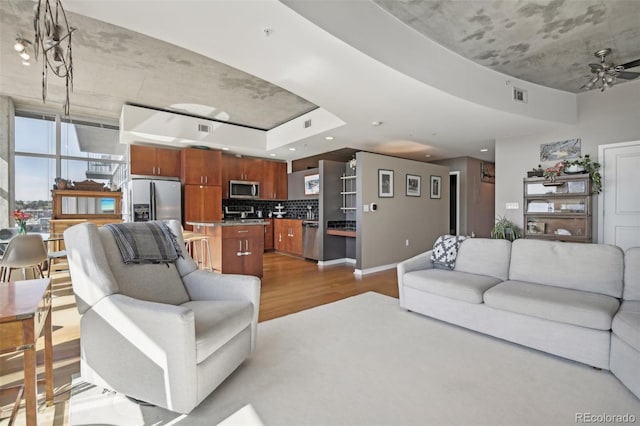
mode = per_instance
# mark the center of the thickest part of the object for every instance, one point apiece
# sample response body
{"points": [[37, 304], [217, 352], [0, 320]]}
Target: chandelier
{"points": [[52, 40]]}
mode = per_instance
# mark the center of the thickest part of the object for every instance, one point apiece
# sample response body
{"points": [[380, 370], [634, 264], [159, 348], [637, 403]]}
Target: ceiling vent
{"points": [[307, 123], [204, 128], [519, 95]]}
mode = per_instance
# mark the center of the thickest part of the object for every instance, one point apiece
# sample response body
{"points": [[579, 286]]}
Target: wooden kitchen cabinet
{"points": [[268, 235], [242, 249], [287, 236], [274, 181], [241, 168], [201, 167], [202, 203], [152, 161]]}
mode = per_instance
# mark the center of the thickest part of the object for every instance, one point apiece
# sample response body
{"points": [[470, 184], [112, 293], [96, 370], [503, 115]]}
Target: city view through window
{"points": [[84, 151]]}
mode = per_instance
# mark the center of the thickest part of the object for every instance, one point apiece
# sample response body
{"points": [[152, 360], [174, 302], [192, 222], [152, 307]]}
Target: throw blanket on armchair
{"points": [[445, 251], [145, 242]]}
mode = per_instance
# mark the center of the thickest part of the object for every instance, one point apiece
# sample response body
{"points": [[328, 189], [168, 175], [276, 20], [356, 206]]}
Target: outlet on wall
{"points": [[406, 243], [365, 208]]}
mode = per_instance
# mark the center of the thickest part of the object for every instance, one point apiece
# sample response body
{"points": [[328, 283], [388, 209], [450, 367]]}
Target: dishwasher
{"points": [[311, 240]]}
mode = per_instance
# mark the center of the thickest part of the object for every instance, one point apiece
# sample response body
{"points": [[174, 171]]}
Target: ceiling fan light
{"points": [[24, 55], [19, 46]]}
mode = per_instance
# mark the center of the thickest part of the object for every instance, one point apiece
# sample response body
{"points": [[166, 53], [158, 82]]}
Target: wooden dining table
{"points": [[25, 312]]}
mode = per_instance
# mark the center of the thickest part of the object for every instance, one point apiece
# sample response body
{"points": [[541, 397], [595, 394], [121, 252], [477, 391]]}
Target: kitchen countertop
{"points": [[239, 222]]}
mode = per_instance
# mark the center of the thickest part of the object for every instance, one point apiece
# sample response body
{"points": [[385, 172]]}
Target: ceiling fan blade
{"points": [[595, 67], [631, 64], [628, 75]]}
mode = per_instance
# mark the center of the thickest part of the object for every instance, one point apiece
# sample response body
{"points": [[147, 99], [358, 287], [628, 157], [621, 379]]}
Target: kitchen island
{"points": [[236, 245]]}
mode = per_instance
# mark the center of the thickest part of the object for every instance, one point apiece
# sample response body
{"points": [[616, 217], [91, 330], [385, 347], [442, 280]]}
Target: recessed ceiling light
{"points": [[484, 150], [272, 155], [292, 149], [224, 148], [329, 138], [428, 155], [376, 123]]}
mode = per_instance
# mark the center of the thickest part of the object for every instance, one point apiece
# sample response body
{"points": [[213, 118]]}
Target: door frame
{"points": [[457, 173], [601, 150]]}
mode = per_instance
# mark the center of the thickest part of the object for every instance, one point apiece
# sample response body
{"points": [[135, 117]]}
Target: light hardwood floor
{"points": [[289, 285]]}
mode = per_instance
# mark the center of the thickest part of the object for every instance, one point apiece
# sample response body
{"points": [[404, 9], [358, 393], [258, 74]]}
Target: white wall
{"points": [[603, 118]]}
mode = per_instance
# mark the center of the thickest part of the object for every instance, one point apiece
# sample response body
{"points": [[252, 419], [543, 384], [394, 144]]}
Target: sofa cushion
{"points": [[445, 251], [575, 307], [632, 274], [484, 256], [596, 268], [159, 283], [217, 322], [626, 323], [451, 284]]}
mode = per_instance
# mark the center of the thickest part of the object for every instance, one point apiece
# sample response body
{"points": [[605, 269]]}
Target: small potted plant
{"points": [[585, 165], [505, 229]]}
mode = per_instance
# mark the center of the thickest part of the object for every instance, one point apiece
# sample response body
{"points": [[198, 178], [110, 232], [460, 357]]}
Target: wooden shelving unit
{"points": [[559, 210]]}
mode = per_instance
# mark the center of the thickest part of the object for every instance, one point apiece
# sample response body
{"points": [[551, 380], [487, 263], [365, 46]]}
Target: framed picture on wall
{"points": [[312, 184], [413, 186], [487, 172], [436, 187], [385, 183]]}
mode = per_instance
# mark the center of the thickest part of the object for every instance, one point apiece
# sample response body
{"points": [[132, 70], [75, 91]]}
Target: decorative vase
{"points": [[22, 228]]}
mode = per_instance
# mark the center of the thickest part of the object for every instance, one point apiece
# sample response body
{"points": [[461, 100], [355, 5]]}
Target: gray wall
{"points": [[381, 235], [606, 117], [477, 198], [296, 184], [6, 133], [332, 246]]}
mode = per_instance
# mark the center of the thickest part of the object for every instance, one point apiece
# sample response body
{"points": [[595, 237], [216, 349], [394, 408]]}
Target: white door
{"points": [[620, 198]]}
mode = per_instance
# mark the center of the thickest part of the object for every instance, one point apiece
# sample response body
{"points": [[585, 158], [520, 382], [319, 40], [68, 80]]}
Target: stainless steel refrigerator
{"points": [[154, 199]]}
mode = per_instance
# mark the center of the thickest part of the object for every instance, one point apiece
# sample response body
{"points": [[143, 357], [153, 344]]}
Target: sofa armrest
{"points": [[416, 263], [126, 339], [205, 285]]}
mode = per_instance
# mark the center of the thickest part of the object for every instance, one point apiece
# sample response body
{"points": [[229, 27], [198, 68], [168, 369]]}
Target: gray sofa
{"points": [[561, 298]]}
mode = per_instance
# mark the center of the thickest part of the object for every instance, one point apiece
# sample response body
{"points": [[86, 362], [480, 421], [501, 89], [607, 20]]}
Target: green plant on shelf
{"points": [[590, 167]]}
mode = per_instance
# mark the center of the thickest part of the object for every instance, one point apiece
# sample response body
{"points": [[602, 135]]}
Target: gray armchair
{"points": [[167, 334]]}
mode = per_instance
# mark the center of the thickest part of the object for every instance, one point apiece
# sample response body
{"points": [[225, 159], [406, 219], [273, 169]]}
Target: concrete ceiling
{"points": [[544, 42], [397, 62]]}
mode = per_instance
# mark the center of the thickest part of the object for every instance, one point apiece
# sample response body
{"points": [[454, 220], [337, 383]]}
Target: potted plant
{"points": [[505, 229], [585, 165]]}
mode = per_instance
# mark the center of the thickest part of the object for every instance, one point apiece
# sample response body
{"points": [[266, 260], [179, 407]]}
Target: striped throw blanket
{"points": [[145, 242]]}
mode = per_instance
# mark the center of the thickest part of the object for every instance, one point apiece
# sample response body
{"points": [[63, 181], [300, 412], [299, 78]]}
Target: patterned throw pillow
{"points": [[445, 251]]}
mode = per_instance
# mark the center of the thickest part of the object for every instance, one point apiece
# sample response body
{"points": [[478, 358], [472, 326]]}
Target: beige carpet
{"points": [[365, 361]]}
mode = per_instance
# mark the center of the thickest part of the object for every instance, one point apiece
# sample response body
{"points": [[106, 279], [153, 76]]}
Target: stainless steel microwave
{"points": [[244, 189]]}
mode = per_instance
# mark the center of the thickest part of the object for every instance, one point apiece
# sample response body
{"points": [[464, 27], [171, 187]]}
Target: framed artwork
{"points": [[385, 183], [487, 172], [312, 184], [436, 187], [413, 186], [562, 150]]}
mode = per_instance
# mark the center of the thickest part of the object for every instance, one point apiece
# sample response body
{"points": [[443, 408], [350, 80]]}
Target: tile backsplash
{"points": [[296, 209]]}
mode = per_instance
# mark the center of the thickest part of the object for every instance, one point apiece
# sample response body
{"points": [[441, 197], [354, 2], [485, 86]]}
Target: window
{"points": [[84, 151]]}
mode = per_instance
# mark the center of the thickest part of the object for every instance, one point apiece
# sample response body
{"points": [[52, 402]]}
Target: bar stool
{"points": [[23, 252], [198, 247]]}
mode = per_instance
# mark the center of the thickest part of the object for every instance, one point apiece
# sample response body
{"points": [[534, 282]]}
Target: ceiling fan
{"points": [[605, 74]]}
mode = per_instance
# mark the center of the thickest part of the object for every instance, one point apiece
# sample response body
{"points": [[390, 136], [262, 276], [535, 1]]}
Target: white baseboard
{"points": [[336, 262], [360, 272]]}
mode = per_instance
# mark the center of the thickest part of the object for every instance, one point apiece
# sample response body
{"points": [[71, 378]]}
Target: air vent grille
{"points": [[204, 128], [307, 123], [519, 95]]}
